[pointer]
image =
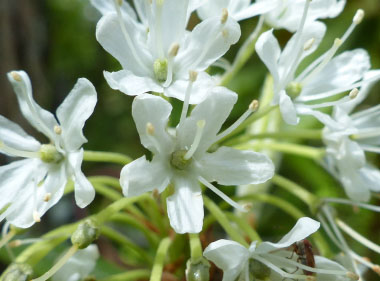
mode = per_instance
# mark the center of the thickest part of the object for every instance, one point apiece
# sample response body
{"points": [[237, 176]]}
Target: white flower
{"points": [[238, 9], [267, 261], [31, 186], [158, 58], [287, 14], [325, 77], [182, 159], [79, 266], [347, 141]]}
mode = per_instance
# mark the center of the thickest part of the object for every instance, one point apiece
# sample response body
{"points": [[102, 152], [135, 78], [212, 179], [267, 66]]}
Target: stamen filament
{"points": [[328, 104], [6, 238], [367, 113], [158, 26], [370, 148], [200, 126], [222, 195], [349, 202], [18, 153], [358, 237], [58, 265], [357, 19], [366, 133], [185, 107]]}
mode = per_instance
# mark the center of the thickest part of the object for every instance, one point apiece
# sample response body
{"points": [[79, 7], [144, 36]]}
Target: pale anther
{"points": [[354, 93], [201, 124], [120, 2], [376, 269], [254, 105], [47, 197], [173, 51], [309, 43], [15, 243], [193, 75], [224, 16], [16, 76], [358, 16], [225, 33], [150, 129], [57, 129], [36, 216], [338, 42]]}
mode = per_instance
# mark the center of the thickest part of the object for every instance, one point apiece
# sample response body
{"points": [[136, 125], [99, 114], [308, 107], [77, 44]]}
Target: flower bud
{"points": [[86, 233], [198, 270], [17, 272], [259, 270]]}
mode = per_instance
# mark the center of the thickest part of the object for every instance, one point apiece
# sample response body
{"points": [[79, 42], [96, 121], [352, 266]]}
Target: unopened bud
{"points": [[259, 270], [16, 76], [358, 16], [18, 272], [198, 270], [354, 93], [86, 233], [254, 105], [309, 43], [173, 51], [224, 16], [150, 129]]}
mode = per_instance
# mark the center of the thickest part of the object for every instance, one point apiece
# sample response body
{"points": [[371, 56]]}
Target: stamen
{"points": [[349, 202], [366, 133], [150, 129], [354, 93], [358, 237], [36, 216], [58, 265], [6, 238], [57, 129], [16, 76], [158, 28], [328, 104], [368, 113], [120, 2], [357, 19], [192, 78], [223, 196], [47, 197], [173, 51], [358, 16], [370, 148], [309, 43], [224, 17], [253, 106], [18, 153], [19, 242], [200, 126]]}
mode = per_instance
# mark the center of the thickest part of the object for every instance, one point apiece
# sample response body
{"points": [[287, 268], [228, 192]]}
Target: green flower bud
{"points": [[198, 270], [178, 160], [259, 270], [86, 233], [17, 272], [293, 89], [49, 154], [160, 68]]}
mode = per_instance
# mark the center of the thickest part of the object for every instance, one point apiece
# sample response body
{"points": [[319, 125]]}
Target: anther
{"points": [[354, 93], [376, 269], [173, 50], [225, 33], [338, 42], [309, 43], [16, 76], [254, 105], [224, 17], [150, 129], [352, 276], [193, 75], [36, 216], [47, 197], [57, 129], [119, 2], [359, 15], [247, 206], [15, 243]]}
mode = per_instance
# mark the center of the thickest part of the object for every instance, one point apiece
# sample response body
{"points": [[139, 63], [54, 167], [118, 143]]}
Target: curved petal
{"points": [[141, 176], [214, 110], [324, 263], [14, 136], [39, 118], [153, 110], [229, 166], [372, 176], [324, 118], [214, 8], [304, 227], [108, 6], [130, 84], [254, 9], [288, 110], [185, 206], [74, 112]]}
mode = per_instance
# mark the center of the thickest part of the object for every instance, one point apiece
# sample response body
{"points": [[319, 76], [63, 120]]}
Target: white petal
{"points": [[214, 110], [141, 176], [214, 8], [230, 166], [304, 227], [108, 6], [14, 136], [372, 176], [229, 256], [269, 51], [39, 118], [324, 118], [130, 84], [74, 112], [84, 191], [254, 9], [185, 206], [288, 110], [324, 263], [156, 111]]}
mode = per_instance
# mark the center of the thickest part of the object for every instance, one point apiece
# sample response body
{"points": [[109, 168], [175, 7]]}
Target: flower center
{"points": [[49, 154], [178, 160], [293, 89], [160, 68]]}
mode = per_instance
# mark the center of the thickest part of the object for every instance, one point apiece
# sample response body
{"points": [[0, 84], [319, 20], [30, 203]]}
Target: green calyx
{"points": [[293, 89], [49, 154], [160, 67], [198, 270], [17, 272], [178, 160], [86, 233]]}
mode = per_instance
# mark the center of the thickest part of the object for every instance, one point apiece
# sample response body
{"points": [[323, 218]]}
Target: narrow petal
{"points": [[108, 6], [214, 8], [304, 227], [14, 136], [39, 118], [74, 112], [288, 110], [153, 110], [254, 9], [324, 263], [130, 84], [185, 206], [142, 176], [229, 166], [324, 118], [372, 176]]}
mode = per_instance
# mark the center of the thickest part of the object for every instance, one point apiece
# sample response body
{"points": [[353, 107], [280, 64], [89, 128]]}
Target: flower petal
{"points": [[141, 176], [255, 9], [156, 111], [185, 206], [304, 227], [130, 84], [324, 263], [230, 166], [74, 111], [288, 110], [372, 177], [108, 6]]}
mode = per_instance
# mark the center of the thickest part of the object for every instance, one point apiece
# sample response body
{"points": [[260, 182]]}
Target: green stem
{"points": [[159, 260], [223, 221], [150, 206], [7, 238], [132, 275], [196, 251], [244, 226], [110, 181], [111, 157], [290, 148], [106, 191]]}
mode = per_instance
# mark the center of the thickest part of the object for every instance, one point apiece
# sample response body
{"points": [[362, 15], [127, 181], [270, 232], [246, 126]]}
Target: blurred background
{"points": [[54, 42]]}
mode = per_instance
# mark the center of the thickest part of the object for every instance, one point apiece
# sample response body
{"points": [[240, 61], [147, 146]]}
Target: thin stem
{"points": [[110, 157], [195, 246], [6, 238], [106, 191], [59, 264], [244, 226], [223, 221], [159, 260], [129, 276]]}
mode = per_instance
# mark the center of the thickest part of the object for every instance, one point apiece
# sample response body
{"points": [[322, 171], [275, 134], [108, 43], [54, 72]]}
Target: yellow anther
{"points": [[16, 76], [254, 105], [224, 17], [150, 129], [47, 197], [193, 75], [57, 129]]}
